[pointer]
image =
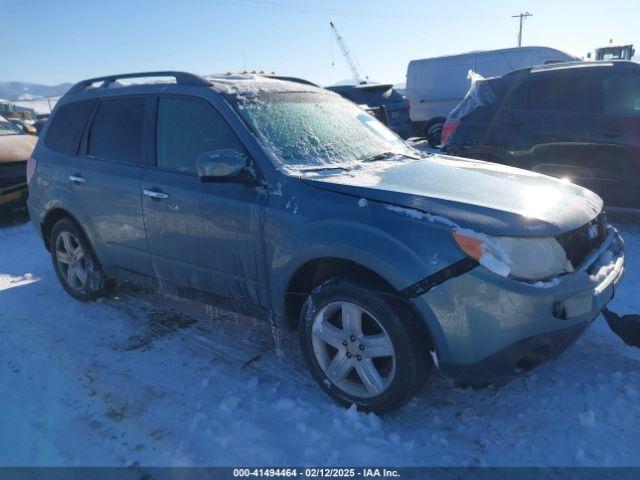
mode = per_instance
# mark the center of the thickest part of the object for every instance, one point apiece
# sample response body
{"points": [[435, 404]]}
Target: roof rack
{"points": [[569, 65], [182, 78], [550, 67]]}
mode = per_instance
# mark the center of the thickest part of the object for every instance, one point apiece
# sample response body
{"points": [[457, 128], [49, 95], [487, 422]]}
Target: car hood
{"points": [[483, 196], [16, 148]]}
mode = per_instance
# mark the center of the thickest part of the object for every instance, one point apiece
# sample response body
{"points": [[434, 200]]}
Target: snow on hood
{"points": [[485, 197]]}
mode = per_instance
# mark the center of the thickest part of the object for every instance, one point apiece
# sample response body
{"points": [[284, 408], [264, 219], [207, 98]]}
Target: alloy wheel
{"points": [[353, 349], [75, 266]]}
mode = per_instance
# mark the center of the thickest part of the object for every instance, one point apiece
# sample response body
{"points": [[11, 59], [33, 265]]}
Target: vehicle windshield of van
{"points": [[310, 131]]}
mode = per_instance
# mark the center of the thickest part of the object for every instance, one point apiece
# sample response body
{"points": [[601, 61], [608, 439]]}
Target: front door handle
{"points": [[77, 178], [155, 194]]}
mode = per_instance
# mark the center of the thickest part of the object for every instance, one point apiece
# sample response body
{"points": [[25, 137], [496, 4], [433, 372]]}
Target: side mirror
{"points": [[221, 165]]}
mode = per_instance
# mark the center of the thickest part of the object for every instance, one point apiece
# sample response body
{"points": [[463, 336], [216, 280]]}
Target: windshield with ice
{"points": [[310, 130]]}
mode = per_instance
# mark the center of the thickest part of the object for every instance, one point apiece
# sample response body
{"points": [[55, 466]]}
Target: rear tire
{"points": [[434, 132], [362, 345], [76, 266]]}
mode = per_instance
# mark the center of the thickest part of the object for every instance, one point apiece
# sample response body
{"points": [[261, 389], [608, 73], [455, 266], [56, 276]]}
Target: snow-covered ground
{"points": [[137, 379]]}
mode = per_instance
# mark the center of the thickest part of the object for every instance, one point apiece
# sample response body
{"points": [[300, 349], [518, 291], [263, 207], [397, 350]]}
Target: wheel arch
{"points": [[56, 214], [52, 217], [315, 272]]}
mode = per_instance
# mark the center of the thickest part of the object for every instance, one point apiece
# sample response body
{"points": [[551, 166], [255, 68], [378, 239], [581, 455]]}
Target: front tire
{"points": [[362, 346], [76, 266]]}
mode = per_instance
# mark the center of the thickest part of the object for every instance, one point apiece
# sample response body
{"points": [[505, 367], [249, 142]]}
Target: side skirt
{"points": [[225, 303]]}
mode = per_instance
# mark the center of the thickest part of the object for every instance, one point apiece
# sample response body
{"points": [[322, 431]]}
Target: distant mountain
{"points": [[30, 91]]}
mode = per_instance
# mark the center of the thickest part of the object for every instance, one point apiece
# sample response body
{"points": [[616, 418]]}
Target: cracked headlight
{"points": [[528, 259]]}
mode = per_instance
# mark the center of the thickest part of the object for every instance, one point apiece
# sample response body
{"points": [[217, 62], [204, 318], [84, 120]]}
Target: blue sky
{"points": [[67, 40]]}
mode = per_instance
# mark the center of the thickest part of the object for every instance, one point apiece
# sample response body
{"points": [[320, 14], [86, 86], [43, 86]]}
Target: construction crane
{"points": [[345, 51]]}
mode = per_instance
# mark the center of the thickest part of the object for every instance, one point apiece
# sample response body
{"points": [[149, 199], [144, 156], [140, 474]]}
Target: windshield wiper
{"points": [[324, 167], [387, 155]]}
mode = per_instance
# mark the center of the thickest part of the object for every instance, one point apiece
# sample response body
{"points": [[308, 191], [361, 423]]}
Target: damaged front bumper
{"points": [[488, 328]]}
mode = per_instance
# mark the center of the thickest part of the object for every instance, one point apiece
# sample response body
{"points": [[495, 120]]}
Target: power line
{"points": [[522, 17]]}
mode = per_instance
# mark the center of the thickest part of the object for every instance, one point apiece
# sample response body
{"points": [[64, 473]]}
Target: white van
{"points": [[436, 85]]}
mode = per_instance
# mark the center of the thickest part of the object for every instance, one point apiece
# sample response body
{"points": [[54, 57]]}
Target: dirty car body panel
{"points": [[391, 216]]}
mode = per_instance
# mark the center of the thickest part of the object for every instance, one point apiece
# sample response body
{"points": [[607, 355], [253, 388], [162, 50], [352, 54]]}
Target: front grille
{"points": [[583, 240]]}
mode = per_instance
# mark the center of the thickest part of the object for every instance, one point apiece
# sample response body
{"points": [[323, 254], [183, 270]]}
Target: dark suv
{"points": [[579, 121], [382, 101], [289, 203]]}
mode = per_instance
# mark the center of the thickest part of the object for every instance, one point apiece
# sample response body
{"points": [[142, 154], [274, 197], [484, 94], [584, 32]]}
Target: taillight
{"points": [[31, 169], [447, 131]]}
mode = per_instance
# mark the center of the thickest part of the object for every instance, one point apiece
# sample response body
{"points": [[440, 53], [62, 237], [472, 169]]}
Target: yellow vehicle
{"points": [[15, 149]]}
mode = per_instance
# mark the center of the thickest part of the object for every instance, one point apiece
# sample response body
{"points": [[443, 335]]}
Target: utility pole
{"points": [[522, 16]]}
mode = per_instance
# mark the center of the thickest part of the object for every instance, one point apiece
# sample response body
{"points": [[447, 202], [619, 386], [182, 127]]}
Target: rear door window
{"points": [[117, 130], [621, 95], [567, 93], [187, 128], [67, 126]]}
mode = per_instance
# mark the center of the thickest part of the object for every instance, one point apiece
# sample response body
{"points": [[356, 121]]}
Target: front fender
{"points": [[402, 255], [361, 244]]}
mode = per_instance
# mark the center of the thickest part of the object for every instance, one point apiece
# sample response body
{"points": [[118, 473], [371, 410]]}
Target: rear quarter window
{"points": [[66, 128]]}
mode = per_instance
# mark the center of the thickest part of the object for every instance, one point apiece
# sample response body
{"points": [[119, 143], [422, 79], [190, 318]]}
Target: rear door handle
{"points": [[77, 178], [155, 194]]}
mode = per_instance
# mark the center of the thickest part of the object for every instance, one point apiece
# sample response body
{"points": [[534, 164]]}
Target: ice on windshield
{"points": [[315, 130]]}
